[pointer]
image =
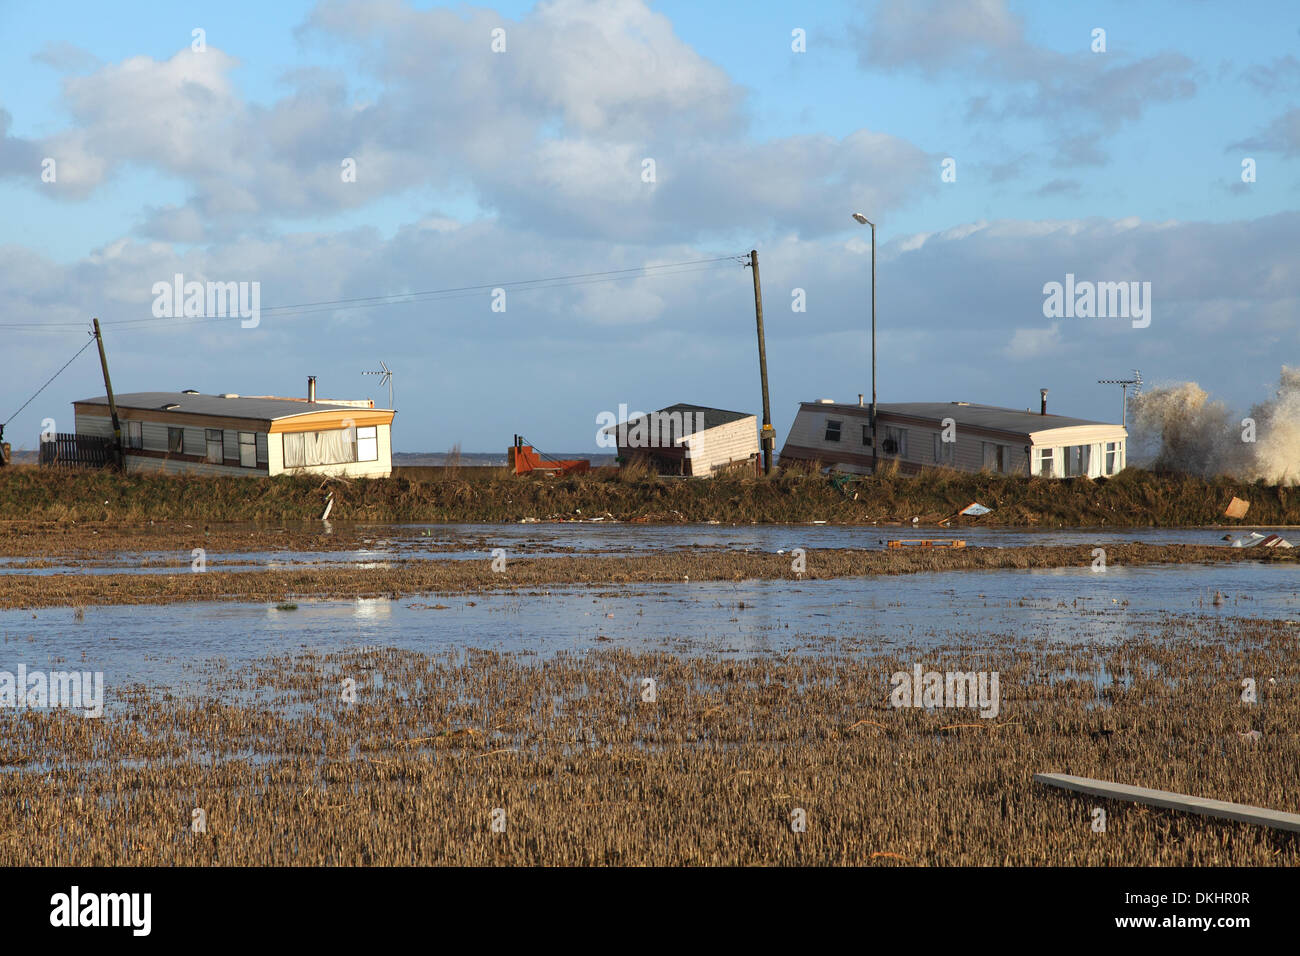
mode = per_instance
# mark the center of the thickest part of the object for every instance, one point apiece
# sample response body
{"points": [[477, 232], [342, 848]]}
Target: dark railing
{"points": [[76, 451]]}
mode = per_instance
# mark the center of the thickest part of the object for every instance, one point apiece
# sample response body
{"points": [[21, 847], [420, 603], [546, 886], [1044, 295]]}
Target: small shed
{"points": [[195, 434], [960, 435], [690, 440]]}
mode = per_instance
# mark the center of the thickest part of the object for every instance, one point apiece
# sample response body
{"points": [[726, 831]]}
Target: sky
{"points": [[345, 150]]}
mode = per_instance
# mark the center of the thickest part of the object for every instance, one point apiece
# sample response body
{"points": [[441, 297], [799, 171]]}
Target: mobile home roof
{"points": [[262, 409]]}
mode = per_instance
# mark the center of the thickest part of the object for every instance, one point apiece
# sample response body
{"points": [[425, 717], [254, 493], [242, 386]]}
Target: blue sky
{"points": [[480, 168]]}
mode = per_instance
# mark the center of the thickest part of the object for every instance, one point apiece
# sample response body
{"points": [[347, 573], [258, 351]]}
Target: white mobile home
{"points": [[690, 440], [189, 433], [959, 435]]}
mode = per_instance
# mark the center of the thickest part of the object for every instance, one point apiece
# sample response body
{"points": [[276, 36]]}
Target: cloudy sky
{"points": [[368, 149]]}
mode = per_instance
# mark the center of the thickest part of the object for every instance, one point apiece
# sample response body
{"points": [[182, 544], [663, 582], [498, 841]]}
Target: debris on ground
{"points": [[926, 543], [1255, 539], [974, 510], [1236, 508]]}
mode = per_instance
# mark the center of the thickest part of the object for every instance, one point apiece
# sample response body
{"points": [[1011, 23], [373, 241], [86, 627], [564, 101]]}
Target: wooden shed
{"points": [[958, 435], [190, 433]]}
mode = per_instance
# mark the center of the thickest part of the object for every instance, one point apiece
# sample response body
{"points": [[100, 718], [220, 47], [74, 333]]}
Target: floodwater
{"points": [[413, 542], [169, 644]]}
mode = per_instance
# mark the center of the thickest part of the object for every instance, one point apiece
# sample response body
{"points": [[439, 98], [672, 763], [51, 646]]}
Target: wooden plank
{"points": [[926, 543], [1168, 800]]}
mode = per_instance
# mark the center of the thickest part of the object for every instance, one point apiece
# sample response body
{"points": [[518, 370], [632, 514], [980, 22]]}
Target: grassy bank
{"points": [[1134, 498]]}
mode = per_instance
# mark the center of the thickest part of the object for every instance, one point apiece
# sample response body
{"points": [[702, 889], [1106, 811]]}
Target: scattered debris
{"points": [[1250, 735], [1236, 508], [974, 510], [926, 543], [329, 506], [1254, 538], [1168, 800]]}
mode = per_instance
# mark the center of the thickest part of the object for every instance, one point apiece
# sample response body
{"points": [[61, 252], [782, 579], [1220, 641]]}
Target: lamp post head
{"points": [[862, 220]]}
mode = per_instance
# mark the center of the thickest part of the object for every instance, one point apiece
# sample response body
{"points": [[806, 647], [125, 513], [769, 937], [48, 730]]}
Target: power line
{"points": [[46, 385], [402, 298]]}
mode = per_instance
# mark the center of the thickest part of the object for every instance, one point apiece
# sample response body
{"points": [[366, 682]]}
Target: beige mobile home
{"points": [[690, 440], [189, 433], [960, 435]]}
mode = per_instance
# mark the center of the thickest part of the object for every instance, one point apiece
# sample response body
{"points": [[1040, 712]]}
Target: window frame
{"points": [[898, 435], [209, 441], [372, 438], [1110, 457], [350, 443], [837, 426], [945, 452], [134, 434], [175, 440], [1046, 455], [251, 444]]}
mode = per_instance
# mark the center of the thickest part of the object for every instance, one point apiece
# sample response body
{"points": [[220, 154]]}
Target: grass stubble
{"points": [[288, 772]]}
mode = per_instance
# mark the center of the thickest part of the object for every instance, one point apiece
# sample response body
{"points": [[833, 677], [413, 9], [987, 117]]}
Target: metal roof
{"points": [[260, 409], [713, 417], [990, 417]]}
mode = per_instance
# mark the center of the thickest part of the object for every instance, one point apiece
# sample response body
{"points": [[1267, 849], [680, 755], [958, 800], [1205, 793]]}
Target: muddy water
{"points": [[170, 644], [476, 542]]}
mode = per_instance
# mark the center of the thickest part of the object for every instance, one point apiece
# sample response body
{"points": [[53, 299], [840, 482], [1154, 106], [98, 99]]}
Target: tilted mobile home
{"points": [[189, 433], [690, 440], [959, 435]]}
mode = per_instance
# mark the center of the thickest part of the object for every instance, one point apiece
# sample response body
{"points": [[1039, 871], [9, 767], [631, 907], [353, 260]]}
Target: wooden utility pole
{"points": [[112, 403], [768, 437]]}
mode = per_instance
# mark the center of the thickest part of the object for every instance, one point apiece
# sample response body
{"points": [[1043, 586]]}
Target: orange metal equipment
{"points": [[524, 460]]}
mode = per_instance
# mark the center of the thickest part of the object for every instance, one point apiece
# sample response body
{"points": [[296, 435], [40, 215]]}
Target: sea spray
{"points": [[1180, 428]]}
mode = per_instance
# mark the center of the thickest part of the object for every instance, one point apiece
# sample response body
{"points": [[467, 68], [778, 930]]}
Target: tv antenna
{"points": [[1124, 383], [385, 378]]}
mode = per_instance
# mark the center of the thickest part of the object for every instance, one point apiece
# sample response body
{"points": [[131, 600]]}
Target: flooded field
{"points": [[753, 618], [401, 723], [371, 546]]}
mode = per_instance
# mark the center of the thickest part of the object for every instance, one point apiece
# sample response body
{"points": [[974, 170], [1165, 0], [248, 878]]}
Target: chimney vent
{"points": [[861, 397], [1042, 394], [311, 388]]}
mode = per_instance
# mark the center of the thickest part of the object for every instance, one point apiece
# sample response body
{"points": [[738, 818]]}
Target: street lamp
{"points": [[875, 445]]}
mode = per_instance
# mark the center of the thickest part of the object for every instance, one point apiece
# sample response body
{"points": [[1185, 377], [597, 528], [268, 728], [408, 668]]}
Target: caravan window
{"points": [[175, 440], [134, 435], [1047, 462], [334, 447], [1076, 460], [833, 429], [368, 443], [895, 442], [214, 442], [1112, 457], [995, 457], [247, 449], [944, 451]]}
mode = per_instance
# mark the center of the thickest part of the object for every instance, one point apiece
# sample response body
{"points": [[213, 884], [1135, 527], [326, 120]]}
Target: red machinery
{"points": [[524, 460]]}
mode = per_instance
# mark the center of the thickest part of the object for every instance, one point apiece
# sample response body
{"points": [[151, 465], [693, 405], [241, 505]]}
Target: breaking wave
{"points": [[1180, 428]]}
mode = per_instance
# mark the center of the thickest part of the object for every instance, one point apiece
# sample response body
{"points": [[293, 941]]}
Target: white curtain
{"points": [[319, 448]]}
